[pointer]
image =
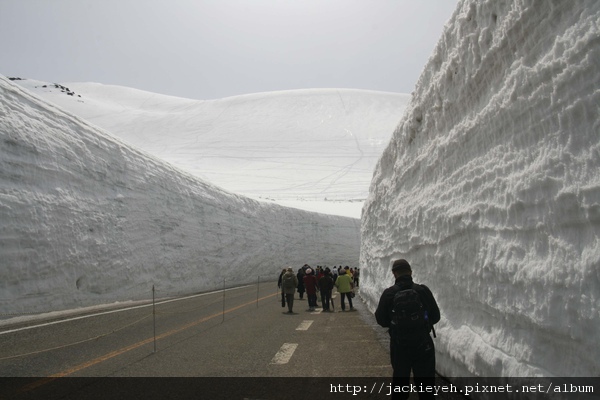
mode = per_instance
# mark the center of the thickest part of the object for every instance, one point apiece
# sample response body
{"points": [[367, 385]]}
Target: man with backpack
{"points": [[409, 311]]}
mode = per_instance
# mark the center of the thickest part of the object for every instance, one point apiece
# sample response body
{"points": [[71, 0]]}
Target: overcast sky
{"points": [[208, 49]]}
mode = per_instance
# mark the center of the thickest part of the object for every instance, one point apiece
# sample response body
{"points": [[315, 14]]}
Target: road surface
{"points": [[207, 338]]}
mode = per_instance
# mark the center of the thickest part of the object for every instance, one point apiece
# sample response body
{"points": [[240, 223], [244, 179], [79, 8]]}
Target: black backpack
{"points": [[409, 315]]}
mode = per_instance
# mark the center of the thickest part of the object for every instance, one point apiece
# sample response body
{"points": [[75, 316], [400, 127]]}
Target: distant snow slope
{"points": [[87, 219], [490, 187], [297, 147]]}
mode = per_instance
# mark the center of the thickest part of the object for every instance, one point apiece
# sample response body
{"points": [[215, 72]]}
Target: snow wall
{"points": [[490, 187], [87, 219]]}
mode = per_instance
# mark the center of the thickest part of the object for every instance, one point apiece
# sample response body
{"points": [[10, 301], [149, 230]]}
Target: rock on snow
{"points": [[490, 187], [88, 219]]}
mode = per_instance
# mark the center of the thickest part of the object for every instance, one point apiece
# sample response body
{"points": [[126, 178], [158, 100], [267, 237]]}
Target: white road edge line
{"points": [[304, 325], [284, 354], [114, 311]]}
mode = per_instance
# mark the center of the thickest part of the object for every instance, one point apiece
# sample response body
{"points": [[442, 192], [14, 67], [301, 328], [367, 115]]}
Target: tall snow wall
{"points": [[490, 187], [87, 219]]}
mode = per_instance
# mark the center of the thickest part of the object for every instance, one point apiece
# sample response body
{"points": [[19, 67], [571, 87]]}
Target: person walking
{"points": [[310, 284], [289, 282], [409, 311], [349, 272], [279, 286], [301, 288], [325, 287], [343, 283]]}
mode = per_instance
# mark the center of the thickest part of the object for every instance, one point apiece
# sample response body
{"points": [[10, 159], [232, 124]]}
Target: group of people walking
{"points": [[408, 309], [318, 281]]}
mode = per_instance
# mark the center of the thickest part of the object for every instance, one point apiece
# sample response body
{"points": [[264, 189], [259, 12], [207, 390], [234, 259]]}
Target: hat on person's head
{"points": [[308, 271], [401, 266], [290, 269]]}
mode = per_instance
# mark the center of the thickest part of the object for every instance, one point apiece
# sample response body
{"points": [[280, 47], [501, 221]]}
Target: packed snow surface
{"points": [[313, 149], [490, 187], [88, 219]]}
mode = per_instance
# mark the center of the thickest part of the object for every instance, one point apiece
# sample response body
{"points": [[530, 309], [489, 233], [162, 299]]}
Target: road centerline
{"points": [[304, 325], [284, 354]]}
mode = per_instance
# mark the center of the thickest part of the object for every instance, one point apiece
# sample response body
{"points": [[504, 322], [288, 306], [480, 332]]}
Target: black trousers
{"points": [[417, 356], [325, 299], [346, 295]]}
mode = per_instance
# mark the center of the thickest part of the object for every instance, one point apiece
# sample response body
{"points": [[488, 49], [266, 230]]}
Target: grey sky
{"points": [[207, 49]]}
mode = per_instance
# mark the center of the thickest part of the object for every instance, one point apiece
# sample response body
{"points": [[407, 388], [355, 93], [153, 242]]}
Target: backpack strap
{"points": [[421, 291]]}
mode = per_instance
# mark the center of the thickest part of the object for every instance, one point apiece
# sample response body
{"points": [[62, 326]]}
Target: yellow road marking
{"points": [[115, 353]]}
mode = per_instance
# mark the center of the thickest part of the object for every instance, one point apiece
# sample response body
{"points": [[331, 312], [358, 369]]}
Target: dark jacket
{"points": [[383, 314], [280, 276], [326, 284], [300, 277]]}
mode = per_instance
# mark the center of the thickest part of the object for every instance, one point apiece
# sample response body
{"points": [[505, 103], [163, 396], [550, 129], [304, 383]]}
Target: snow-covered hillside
{"points": [[490, 187], [297, 147], [88, 219]]}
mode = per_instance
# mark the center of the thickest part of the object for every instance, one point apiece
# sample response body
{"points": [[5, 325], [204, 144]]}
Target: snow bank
{"points": [[490, 187], [88, 219], [295, 147]]}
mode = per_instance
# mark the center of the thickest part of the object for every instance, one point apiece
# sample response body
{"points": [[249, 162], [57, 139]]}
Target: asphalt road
{"points": [[242, 332]]}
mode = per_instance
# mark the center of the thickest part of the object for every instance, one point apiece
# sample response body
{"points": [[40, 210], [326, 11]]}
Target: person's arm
{"points": [[383, 312], [432, 306]]}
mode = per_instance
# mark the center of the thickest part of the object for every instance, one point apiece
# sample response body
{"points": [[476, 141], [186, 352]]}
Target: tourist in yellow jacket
{"points": [[344, 286]]}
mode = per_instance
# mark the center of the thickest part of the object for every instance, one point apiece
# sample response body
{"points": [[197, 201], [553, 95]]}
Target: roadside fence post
{"points": [[223, 300], [257, 291], [154, 315]]}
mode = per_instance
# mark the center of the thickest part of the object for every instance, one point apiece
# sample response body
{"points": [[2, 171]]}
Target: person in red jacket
{"points": [[310, 284]]}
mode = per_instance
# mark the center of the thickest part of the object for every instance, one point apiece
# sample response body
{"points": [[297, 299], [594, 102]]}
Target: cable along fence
{"points": [[153, 302]]}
